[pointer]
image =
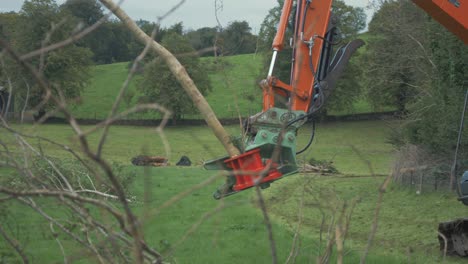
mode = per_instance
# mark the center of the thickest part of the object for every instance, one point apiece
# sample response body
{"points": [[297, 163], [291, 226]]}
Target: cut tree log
{"points": [[181, 75], [155, 161], [307, 168]]}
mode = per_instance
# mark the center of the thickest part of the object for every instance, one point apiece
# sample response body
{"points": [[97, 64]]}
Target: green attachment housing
{"points": [[274, 134], [270, 132]]}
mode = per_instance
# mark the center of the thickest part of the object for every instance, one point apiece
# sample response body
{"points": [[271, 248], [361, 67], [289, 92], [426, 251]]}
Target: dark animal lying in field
{"points": [[155, 161]]}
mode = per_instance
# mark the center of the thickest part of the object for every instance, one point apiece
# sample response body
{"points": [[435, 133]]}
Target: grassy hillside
{"points": [[98, 97], [235, 89], [234, 81]]}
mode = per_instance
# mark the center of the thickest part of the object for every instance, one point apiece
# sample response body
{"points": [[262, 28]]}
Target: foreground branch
{"points": [[13, 243], [181, 75]]}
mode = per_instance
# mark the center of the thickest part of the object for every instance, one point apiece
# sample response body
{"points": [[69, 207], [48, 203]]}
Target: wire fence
{"points": [[422, 170], [423, 179]]}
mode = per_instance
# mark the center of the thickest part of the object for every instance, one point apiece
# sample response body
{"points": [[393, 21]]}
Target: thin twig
{"points": [[34, 206], [15, 245], [294, 250], [445, 245], [54, 234], [370, 239], [266, 218]]}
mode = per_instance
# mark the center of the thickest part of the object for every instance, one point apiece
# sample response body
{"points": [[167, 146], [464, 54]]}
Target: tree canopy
{"points": [[238, 39], [159, 84], [418, 66], [40, 23], [393, 53]]}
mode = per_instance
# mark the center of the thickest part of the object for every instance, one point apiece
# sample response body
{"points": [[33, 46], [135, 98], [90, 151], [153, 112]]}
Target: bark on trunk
{"points": [[181, 75]]}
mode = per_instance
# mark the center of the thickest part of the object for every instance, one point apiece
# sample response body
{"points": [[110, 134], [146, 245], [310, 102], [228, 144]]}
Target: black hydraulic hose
{"points": [[305, 16], [330, 42], [311, 139], [298, 119]]}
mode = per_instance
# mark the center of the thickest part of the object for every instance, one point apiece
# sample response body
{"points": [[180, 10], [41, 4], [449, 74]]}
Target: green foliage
{"points": [[39, 23], [36, 19], [420, 67], [203, 38], [67, 70], [268, 27], [351, 20], [7, 25], [236, 38], [348, 89], [111, 41], [88, 11], [160, 85], [394, 61], [436, 113]]}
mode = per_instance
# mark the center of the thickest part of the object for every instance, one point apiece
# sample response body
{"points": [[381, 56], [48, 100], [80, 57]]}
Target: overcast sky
{"points": [[194, 13]]}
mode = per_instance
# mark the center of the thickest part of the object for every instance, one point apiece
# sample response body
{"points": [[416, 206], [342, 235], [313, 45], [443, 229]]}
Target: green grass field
{"points": [[348, 145], [407, 226]]}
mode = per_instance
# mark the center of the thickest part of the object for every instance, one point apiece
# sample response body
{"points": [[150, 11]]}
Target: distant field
{"points": [[235, 90]]}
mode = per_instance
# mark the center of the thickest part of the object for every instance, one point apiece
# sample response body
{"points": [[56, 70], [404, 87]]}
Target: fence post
{"points": [[420, 181]]}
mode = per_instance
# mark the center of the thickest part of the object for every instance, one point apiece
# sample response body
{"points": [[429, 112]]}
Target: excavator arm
{"points": [[268, 144], [452, 14]]}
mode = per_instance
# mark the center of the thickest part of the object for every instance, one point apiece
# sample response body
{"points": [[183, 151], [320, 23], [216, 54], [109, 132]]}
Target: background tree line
{"points": [[417, 66], [43, 22], [111, 42]]}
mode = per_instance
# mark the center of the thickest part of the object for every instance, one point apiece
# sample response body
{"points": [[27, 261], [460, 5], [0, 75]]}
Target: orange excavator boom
{"points": [[452, 14]]}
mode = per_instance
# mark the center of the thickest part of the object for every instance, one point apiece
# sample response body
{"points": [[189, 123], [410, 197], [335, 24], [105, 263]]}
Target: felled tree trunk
{"points": [[155, 161], [181, 75]]}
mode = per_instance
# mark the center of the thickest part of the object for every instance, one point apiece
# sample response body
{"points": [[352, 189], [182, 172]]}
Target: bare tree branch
{"points": [[370, 240], [266, 218], [181, 75], [15, 245]]}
